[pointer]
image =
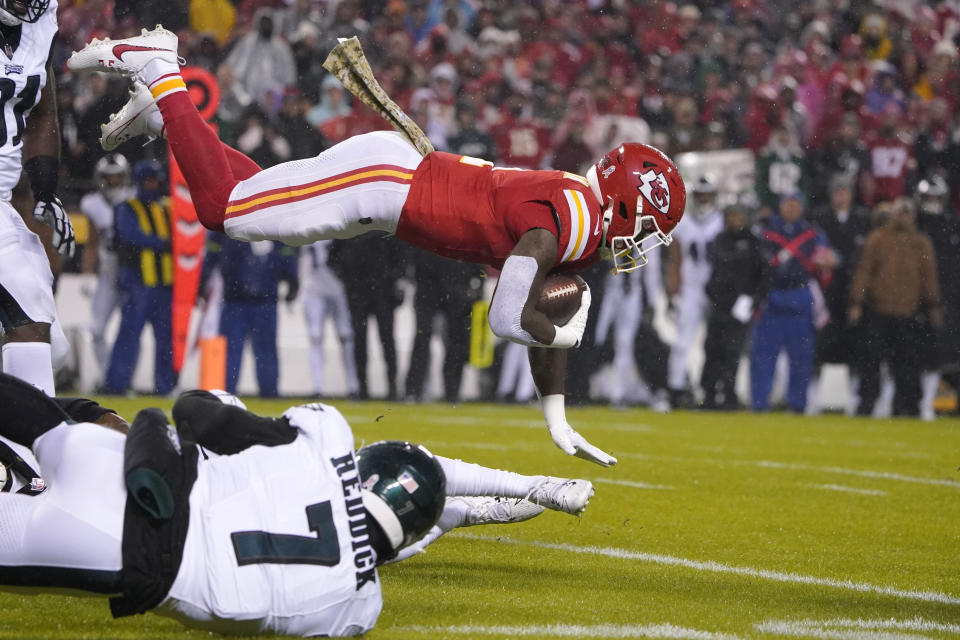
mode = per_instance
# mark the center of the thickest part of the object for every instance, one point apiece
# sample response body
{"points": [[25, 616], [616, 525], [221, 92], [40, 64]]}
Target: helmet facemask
{"points": [[13, 12], [629, 253]]}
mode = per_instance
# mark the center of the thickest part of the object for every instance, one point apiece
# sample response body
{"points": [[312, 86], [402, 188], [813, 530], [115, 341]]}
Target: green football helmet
{"points": [[404, 488]]}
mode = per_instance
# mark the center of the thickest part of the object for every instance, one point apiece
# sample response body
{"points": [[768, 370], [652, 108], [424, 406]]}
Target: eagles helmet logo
{"points": [[654, 188]]}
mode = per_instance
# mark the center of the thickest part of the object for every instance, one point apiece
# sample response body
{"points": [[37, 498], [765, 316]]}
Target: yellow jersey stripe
{"points": [[582, 229], [316, 189]]}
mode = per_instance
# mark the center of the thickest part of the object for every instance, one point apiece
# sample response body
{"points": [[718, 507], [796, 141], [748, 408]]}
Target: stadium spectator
{"points": [[261, 141], [737, 285], [291, 125], [891, 158], [145, 280], [261, 60], [846, 226], [894, 280], [522, 140], [251, 274], [470, 140], [798, 254], [844, 154], [216, 17], [330, 114], [781, 168]]}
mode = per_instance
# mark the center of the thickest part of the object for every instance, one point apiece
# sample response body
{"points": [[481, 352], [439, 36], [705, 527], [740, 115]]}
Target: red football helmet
{"points": [[643, 198]]}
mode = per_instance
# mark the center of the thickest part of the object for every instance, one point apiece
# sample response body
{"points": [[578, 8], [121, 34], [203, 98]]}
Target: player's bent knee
{"points": [[211, 214]]}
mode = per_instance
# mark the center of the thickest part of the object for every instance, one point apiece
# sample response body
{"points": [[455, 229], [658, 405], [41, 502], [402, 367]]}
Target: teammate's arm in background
{"points": [[225, 429], [41, 162]]}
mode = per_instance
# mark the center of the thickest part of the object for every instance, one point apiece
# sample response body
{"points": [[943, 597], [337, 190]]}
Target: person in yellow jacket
{"points": [[145, 279], [213, 16]]}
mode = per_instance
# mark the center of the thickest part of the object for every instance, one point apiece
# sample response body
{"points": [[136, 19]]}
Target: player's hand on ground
{"points": [[419, 546], [574, 444], [51, 212]]}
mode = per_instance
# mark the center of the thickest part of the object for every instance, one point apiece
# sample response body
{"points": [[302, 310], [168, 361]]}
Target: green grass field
{"points": [[712, 526]]}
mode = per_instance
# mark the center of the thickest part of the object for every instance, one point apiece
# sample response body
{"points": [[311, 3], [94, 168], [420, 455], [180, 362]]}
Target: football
{"points": [[560, 297]]}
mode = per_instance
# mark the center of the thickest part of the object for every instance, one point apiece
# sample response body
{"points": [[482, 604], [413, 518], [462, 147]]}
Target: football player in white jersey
{"points": [[284, 537], [112, 177], [688, 271], [324, 297], [29, 140]]}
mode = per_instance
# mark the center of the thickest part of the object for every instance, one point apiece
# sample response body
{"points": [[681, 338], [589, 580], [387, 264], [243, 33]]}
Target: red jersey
{"points": [[890, 160], [467, 209], [521, 143]]}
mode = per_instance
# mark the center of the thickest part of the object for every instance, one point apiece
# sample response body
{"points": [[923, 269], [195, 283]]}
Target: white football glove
{"points": [[51, 212], [571, 334], [571, 442], [742, 310]]}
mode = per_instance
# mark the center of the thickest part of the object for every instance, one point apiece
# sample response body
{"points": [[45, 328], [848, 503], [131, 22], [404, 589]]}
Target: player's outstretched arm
{"points": [[41, 162], [549, 368]]}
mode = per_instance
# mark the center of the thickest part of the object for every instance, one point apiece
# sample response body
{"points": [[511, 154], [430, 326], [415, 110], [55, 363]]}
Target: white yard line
{"points": [[863, 473], [773, 464], [520, 423], [667, 630], [859, 629], [635, 485], [474, 445], [840, 487], [717, 567]]}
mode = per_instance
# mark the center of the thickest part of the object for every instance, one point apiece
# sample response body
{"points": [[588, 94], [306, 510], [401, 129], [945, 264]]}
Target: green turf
{"points": [[712, 526]]}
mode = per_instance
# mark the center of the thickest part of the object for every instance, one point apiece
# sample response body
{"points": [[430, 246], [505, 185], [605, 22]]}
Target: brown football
{"points": [[560, 297]]}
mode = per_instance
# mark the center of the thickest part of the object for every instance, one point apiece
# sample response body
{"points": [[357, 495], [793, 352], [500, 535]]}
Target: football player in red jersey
{"points": [[525, 223]]}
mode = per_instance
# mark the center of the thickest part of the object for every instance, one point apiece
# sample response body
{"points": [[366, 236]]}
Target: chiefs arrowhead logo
{"points": [[653, 186]]}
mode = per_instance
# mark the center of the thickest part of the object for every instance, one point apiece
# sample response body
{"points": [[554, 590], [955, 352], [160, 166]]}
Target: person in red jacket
{"points": [[525, 223]]}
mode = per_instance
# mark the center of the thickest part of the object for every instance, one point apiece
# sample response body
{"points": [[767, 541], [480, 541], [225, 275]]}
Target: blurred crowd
{"points": [[842, 252]]}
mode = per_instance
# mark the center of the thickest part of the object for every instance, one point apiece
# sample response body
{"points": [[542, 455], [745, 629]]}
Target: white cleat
{"points": [[482, 510], [128, 55], [139, 117], [561, 494]]}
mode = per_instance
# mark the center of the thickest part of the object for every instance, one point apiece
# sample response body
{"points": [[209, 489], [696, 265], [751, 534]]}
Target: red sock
{"points": [[201, 158]]}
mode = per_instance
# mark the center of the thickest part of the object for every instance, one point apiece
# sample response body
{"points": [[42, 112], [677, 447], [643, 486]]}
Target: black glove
{"points": [[51, 212], [293, 288]]}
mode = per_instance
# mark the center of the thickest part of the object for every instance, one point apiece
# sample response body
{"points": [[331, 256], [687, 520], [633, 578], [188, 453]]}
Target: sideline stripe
{"points": [[840, 487], [635, 485], [859, 629], [716, 567], [665, 630]]}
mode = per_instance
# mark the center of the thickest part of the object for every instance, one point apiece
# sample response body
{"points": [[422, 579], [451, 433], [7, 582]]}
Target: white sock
{"points": [[162, 77], [929, 383], [468, 479], [316, 366], [31, 362]]}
